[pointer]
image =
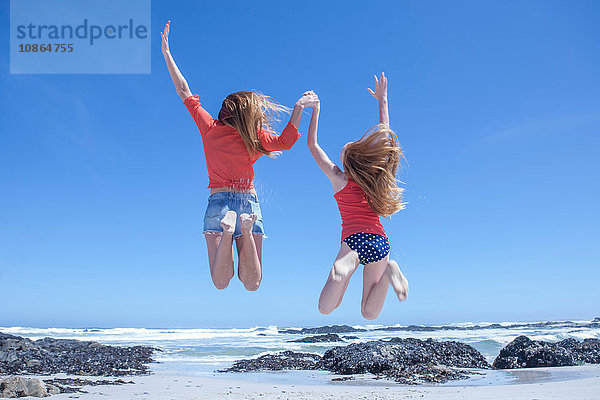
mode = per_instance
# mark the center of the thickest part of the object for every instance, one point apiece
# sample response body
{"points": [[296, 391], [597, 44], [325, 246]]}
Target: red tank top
{"points": [[357, 215]]}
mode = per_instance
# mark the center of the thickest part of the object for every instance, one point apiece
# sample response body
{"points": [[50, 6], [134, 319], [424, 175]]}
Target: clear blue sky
{"points": [[496, 104]]}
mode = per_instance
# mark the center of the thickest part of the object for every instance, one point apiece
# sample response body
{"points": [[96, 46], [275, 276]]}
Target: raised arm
{"points": [[380, 94], [290, 134], [334, 174], [179, 81], [297, 113]]}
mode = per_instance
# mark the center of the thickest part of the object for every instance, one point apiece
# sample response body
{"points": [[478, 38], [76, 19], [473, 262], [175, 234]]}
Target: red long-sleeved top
{"points": [[228, 161], [357, 215]]}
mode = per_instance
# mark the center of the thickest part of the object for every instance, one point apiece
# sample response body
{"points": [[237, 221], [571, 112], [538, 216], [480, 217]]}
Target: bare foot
{"points": [[228, 222], [397, 280], [247, 222]]}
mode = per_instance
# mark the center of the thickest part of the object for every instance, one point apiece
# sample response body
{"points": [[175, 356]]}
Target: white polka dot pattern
{"points": [[369, 246]]}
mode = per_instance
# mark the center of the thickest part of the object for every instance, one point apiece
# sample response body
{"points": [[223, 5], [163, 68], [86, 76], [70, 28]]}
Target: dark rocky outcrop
{"points": [[50, 356], [548, 324], [587, 351], [277, 362], [395, 354], [409, 328], [73, 385], [320, 330], [330, 337], [526, 353], [431, 328], [407, 361], [425, 373]]}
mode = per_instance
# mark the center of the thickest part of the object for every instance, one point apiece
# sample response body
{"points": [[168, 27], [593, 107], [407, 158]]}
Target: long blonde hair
{"points": [[372, 162], [249, 113]]}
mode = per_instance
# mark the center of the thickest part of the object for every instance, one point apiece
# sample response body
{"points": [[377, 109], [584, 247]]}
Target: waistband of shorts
{"points": [[233, 195]]}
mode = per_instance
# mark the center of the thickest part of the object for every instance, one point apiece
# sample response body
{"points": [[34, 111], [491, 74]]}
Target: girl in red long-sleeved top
{"points": [[233, 142], [365, 191]]}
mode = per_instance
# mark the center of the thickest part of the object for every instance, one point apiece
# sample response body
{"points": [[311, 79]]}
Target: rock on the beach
{"points": [[385, 357], [277, 362], [425, 373], [526, 353], [323, 330], [73, 385], [49, 356], [587, 351], [330, 337], [407, 361], [14, 386], [52, 389]]}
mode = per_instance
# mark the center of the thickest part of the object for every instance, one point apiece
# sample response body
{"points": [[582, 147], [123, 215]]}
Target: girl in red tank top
{"points": [[366, 190]]}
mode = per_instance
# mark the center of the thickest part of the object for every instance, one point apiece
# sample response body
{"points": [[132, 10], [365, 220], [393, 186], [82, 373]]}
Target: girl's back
{"points": [[228, 160], [357, 215]]}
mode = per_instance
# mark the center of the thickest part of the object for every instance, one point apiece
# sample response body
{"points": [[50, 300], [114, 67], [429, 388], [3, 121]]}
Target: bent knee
{"points": [[368, 314], [221, 284], [252, 287], [325, 310]]}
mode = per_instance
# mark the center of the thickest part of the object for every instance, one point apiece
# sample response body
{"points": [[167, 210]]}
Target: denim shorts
{"points": [[220, 203]]}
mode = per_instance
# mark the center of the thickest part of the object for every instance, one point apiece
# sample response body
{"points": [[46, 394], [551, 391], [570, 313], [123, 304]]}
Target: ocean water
{"points": [[203, 351]]}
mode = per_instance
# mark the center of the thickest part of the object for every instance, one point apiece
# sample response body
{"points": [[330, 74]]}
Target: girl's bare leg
{"points": [[344, 266], [249, 248], [377, 277], [220, 252], [375, 286]]}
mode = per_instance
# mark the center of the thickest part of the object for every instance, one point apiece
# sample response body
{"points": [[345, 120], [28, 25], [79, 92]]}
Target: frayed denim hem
{"points": [[220, 233]]}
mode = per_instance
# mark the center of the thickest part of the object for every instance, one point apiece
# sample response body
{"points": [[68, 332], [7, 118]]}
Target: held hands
{"points": [[380, 92], [165, 39], [309, 99]]}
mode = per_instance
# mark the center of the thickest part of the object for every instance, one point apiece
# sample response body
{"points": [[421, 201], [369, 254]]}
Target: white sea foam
{"points": [[145, 334]]}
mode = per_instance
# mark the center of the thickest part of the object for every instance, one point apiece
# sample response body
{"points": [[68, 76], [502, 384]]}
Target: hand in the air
{"points": [[309, 99], [165, 38], [380, 92]]}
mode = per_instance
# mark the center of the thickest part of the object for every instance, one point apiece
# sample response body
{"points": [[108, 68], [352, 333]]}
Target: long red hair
{"points": [[372, 162], [250, 113]]}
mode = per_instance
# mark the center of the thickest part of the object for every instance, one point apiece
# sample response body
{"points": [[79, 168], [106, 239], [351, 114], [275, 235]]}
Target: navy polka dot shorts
{"points": [[369, 246]]}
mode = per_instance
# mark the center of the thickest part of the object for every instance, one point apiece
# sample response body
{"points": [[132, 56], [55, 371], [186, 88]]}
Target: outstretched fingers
{"points": [[374, 93], [380, 86], [383, 81], [165, 33]]}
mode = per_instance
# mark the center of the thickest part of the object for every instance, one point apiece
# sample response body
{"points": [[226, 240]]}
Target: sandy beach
{"points": [[581, 383]]}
